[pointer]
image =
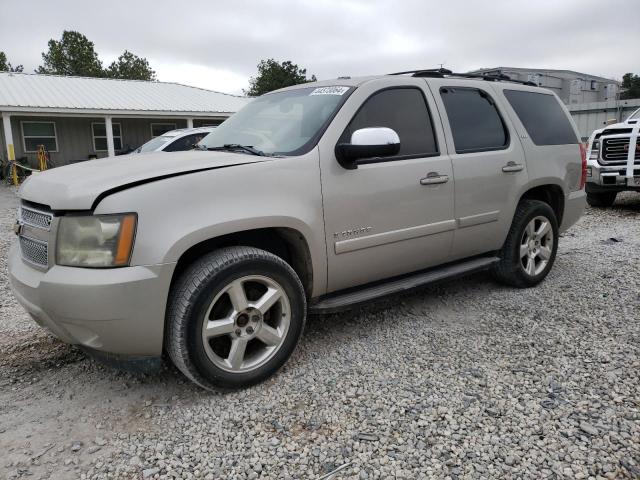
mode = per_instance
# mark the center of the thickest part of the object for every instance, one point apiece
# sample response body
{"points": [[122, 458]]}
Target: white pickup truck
{"points": [[613, 164]]}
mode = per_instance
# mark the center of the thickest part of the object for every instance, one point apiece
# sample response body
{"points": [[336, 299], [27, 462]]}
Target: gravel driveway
{"points": [[464, 380]]}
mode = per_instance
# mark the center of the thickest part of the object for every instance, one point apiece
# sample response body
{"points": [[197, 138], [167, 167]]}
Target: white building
{"points": [[572, 87], [78, 118]]}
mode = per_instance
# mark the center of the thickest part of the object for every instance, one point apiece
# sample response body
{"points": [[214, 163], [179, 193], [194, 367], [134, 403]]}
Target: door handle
{"points": [[433, 178], [513, 167]]}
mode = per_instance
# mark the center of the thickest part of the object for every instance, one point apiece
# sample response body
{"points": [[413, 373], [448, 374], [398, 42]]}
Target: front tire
{"points": [[530, 249], [601, 199], [234, 318]]}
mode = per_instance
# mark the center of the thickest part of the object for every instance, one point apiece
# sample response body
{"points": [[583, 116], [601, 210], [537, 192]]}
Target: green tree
{"points": [[631, 85], [273, 75], [130, 67], [5, 66], [73, 54]]}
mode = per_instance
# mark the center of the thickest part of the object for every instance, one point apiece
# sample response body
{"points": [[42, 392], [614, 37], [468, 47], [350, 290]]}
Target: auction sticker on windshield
{"points": [[329, 90]]}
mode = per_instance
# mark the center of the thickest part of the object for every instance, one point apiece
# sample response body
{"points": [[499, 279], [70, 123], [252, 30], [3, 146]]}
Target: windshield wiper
{"points": [[236, 146]]}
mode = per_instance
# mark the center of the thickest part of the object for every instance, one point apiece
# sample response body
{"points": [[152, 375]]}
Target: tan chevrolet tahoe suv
{"points": [[310, 199]]}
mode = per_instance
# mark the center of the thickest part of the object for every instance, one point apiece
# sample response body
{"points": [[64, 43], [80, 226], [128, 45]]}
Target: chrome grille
{"points": [[34, 251], [616, 150], [35, 218]]}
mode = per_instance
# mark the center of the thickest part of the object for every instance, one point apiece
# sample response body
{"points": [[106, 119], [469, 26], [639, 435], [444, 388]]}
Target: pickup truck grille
{"points": [[616, 150], [34, 235]]}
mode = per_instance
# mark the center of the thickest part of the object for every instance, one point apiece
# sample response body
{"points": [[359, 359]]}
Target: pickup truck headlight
{"points": [[595, 147], [96, 241]]}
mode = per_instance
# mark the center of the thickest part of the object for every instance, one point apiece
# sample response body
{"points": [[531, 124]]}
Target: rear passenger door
{"points": [[488, 164]]}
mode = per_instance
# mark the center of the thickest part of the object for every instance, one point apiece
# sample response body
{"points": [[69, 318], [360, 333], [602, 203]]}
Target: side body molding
{"points": [[353, 244]]}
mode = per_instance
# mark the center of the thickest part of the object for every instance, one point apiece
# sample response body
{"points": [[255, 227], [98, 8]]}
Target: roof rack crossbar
{"points": [[494, 78], [426, 72], [443, 72]]}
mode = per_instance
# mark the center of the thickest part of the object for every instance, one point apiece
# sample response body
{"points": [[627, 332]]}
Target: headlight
{"points": [[595, 147], [95, 240]]}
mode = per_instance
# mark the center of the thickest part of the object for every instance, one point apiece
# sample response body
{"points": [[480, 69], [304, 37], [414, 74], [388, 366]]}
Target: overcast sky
{"points": [[217, 44]]}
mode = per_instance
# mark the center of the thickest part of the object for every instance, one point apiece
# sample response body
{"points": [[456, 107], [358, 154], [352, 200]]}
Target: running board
{"points": [[341, 300]]}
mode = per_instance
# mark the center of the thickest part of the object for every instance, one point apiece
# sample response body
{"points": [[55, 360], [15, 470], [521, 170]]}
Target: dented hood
{"points": [[78, 186]]}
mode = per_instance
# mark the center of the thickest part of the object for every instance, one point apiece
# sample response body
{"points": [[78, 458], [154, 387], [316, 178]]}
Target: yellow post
{"points": [[40, 156], [14, 170]]}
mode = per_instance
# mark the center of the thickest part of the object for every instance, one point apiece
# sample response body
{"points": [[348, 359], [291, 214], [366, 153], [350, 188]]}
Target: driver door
{"points": [[386, 217]]}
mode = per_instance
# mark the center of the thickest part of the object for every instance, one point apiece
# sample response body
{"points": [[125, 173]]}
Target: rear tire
{"points": [[234, 318], [602, 199], [530, 249]]}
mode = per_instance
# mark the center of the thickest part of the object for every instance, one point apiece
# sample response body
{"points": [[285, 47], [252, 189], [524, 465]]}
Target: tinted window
{"points": [[543, 117], [403, 110], [185, 143], [475, 122]]}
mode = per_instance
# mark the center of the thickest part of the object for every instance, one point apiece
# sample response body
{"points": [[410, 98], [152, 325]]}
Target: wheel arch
{"points": [[285, 242], [550, 193]]}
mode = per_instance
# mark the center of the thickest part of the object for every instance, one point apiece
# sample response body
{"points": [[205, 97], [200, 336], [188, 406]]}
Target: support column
{"points": [[189, 122], [108, 125], [8, 136]]}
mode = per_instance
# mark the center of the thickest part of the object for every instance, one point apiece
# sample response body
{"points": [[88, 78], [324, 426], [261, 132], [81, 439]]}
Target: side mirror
{"points": [[611, 121], [368, 143]]}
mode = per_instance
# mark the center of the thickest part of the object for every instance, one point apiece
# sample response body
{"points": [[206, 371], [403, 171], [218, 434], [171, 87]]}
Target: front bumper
{"points": [[611, 178], [118, 311]]}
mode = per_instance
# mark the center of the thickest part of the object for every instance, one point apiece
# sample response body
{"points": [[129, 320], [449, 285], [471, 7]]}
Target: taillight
{"points": [[583, 155]]}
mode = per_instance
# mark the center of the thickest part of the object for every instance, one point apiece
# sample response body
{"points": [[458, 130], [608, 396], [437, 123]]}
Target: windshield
{"points": [[153, 144], [283, 123], [635, 115]]}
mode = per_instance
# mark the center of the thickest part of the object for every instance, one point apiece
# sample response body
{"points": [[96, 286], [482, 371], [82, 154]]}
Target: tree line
{"points": [[74, 54]]}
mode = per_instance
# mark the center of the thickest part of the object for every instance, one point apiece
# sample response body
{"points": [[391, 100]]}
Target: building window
{"points": [[35, 134], [534, 78], [99, 132], [158, 129]]}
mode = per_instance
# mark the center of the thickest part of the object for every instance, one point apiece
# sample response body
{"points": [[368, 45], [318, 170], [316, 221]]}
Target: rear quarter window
{"points": [[542, 117]]}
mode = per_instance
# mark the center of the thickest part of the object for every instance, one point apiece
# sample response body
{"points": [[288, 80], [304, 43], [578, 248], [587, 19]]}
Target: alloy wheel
{"points": [[536, 246], [246, 323]]}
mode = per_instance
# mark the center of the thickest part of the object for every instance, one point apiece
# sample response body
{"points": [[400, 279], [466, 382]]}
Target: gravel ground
{"points": [[464, 380]]}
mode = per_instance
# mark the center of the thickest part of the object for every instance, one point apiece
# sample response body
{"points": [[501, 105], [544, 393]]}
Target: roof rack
{"points": [[429, 72], [443, 72]]}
